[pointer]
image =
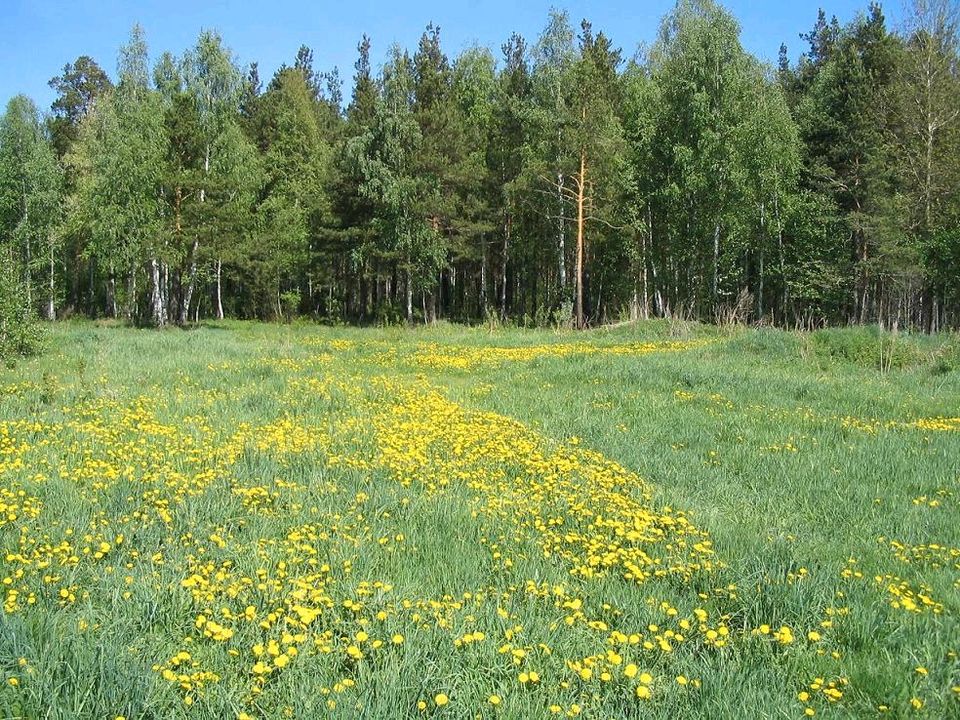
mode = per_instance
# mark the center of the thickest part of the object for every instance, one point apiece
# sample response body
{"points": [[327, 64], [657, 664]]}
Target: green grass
{"points": [[286, 467]]}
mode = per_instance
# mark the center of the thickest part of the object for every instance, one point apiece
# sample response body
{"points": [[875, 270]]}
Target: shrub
{"points": [[868, 347], [20, 332]]}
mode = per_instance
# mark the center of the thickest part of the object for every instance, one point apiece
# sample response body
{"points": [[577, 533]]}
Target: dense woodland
{"points": [[560, 180]]}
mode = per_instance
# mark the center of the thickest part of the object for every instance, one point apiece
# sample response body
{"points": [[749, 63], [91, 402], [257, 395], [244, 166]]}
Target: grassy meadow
{"points": [[654, 521]]}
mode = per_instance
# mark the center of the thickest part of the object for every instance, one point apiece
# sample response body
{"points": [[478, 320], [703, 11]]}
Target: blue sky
{"points": [[40, 36]]}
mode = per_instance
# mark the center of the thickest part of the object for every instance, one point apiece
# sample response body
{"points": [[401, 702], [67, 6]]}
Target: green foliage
{"points": [[31, 187], [395, 176], [869, 347], [77, 88], [690, 181], [20, 333]]}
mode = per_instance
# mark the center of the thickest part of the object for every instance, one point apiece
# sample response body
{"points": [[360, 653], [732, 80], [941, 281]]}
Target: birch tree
{"points": [[212, 78], [119, 161], [554, 57], [31, 185]]}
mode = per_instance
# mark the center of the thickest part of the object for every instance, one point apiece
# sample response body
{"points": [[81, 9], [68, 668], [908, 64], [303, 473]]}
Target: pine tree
{"points": [[842, 117], [387, 159], [509, 161], [925, 99], [294, 204], [77, 87]]}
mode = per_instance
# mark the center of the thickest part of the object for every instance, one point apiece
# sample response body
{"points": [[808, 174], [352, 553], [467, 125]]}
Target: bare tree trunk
{"points": [[165, 296], [130, 309], [561, 230], [219, 298], [438, 298], [483, 276], [645, 280], [783, 275], [409, 291], [368, 303], [760, 288], [658, 307], [51, 310], [507, 226], [762, 238], [192, 279], [581, 190], [158, 310], [111, 306], [91, 287], [27, 256], [191, 284], [29, 279], [716, 263]]}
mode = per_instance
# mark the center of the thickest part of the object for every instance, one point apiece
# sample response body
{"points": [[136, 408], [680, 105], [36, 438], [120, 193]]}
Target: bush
{"points": [[868, 347], [20, 332], [947, 357]]}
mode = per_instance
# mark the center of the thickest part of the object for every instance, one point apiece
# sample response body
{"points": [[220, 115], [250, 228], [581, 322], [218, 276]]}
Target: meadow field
{"points": [[660, 520]]}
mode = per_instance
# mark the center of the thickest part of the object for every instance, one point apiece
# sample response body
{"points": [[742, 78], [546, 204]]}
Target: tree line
{"points": [[555, 182]]}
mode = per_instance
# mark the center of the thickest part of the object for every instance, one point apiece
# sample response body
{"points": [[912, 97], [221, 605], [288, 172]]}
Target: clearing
{"points": [[658, 521]]}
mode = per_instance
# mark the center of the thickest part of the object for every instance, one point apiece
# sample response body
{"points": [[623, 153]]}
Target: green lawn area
{"points": [[660, 520]]}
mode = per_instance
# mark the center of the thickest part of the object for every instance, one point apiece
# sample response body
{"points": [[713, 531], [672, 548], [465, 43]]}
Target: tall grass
{"points": [[410, 516]]}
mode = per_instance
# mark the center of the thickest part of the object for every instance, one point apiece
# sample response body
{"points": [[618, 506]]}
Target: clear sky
{"points": [[40, 36]]}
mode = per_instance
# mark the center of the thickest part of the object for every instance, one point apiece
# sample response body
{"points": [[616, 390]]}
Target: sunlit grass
{"points": [[656, 521]]}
